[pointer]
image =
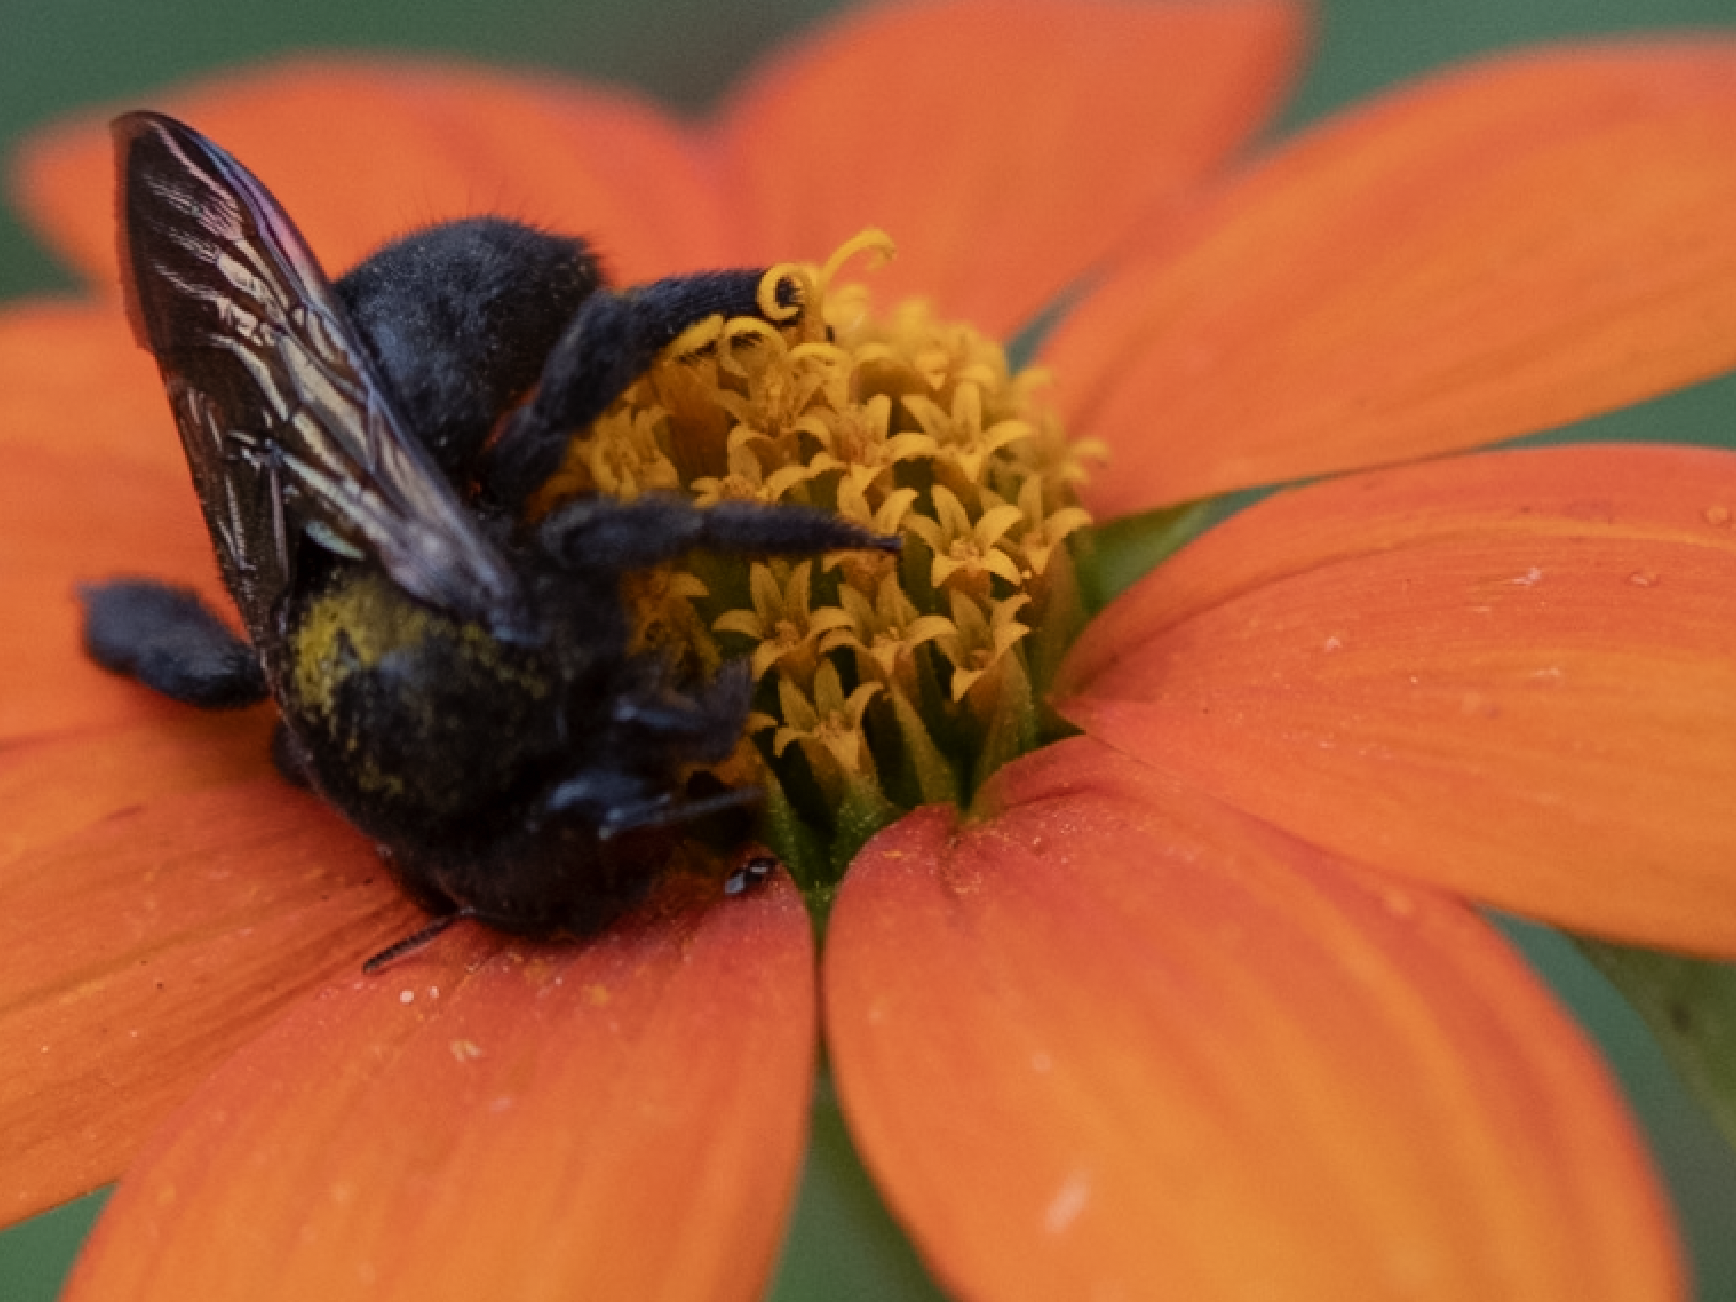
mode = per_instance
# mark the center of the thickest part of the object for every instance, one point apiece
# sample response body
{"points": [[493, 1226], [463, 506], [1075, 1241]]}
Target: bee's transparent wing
{"points": [[285, 425]]}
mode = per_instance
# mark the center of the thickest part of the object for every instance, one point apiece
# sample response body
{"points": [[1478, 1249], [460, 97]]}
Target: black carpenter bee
{"points": [[452, 677]]}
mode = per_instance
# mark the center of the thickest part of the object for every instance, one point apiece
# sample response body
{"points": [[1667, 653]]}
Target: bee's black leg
{"points": [[166, 638], [667, 810], [671, 812], [415, 941], [602, 533], [611, 341], [703, 730]]}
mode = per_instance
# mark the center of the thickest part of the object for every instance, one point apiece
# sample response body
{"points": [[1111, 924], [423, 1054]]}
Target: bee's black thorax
{"points": [[460, 322]]}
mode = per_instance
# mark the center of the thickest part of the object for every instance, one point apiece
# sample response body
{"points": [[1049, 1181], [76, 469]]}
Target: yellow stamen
{"points": [[883, 681]]}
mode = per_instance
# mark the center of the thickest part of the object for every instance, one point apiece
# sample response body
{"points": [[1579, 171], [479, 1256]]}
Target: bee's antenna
{"points": [[411, 943]]}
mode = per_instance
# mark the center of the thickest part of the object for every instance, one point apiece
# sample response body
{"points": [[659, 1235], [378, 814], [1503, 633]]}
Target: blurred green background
{"points": [[59, 57]]}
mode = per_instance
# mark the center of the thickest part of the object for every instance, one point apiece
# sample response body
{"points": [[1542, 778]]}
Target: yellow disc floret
{"points": [[884, 682]]}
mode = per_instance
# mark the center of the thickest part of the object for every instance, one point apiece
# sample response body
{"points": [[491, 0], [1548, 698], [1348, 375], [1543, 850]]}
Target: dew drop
{"points": [[1069, 1200]]}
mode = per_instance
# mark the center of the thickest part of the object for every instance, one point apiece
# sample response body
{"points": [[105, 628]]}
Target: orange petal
{"points": [[54, 789], [72, 380], [1005, 146], [618, 1119], [413, 144], [159, 909], [70, 518], [1488, 254], [1119, 1041], [1511, 675]]}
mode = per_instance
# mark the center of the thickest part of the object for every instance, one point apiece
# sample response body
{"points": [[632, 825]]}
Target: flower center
{"points": [[882, 682]]}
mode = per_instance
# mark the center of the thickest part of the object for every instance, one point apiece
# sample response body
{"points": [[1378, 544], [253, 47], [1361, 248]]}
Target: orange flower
{"points": [[1189, 1006]]}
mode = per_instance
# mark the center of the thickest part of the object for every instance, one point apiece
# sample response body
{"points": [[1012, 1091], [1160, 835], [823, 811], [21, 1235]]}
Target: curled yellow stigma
{"points": [[883, 682]]}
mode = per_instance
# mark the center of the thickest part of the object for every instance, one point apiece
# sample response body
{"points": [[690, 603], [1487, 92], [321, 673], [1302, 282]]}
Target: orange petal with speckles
{"points": [[618, 1119], [1116, 1040], [95, 486], [1006, 145], [73, 380], [1509, 675], [1502, 249], [417, 143], [166, 895]]}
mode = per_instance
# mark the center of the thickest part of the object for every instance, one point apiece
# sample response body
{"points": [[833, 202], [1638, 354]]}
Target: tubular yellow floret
{"points": [[883, 682]]}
